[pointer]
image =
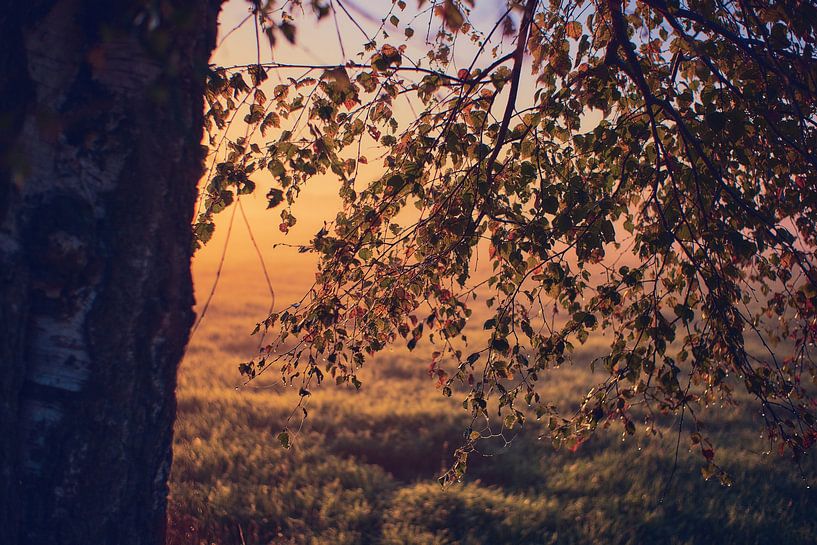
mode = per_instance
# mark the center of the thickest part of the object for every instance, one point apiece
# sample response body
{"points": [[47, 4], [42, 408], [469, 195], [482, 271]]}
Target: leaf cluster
{"points": [[649, 180]]}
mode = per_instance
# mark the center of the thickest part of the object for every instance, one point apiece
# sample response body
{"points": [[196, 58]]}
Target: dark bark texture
{"points": [[100, 132]]}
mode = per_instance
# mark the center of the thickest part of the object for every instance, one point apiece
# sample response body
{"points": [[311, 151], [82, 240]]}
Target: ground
{"points": [[363, 467]]}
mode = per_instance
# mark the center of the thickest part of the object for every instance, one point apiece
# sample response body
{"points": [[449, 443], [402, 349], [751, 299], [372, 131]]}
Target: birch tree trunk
{"points": [[100, 132]]}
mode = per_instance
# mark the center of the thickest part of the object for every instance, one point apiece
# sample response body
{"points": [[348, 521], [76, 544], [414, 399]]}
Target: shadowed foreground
{"points": [[363, 468]]}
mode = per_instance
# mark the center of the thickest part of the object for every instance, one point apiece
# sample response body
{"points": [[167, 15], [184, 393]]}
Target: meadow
{"points": [[363, 466]]}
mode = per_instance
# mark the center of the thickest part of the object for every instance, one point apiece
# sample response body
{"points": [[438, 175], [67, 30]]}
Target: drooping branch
{"points": [[675, 161]]}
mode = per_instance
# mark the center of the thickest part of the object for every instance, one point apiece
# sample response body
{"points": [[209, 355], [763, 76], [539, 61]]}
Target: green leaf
{"points": [[283, 438], [500, 345]]}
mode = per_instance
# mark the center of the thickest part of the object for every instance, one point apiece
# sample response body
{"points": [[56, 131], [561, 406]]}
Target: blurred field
{"points": [[363, 468]]}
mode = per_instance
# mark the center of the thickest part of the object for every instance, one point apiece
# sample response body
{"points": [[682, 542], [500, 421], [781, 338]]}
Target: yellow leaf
{"points": [[573, 30]]}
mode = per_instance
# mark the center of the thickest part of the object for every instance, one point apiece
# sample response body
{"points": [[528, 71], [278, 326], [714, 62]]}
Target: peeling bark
{"points": [[101, 122]]}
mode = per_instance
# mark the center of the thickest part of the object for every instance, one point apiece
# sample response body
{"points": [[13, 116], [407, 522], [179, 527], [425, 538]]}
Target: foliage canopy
{"points": [[641, 171]]}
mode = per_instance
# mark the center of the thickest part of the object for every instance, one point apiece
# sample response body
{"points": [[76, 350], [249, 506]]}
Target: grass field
{"points": [[363, 468]]}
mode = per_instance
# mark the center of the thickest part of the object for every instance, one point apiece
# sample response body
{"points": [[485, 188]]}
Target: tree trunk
{"points": [[100, 132]]}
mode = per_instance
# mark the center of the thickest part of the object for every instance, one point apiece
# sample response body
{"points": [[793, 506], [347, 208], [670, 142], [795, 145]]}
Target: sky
{"points": [[291, 272]]}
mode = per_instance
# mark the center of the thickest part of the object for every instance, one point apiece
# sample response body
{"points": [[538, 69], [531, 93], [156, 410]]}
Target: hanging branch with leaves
{"points": [[647, 168]]}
